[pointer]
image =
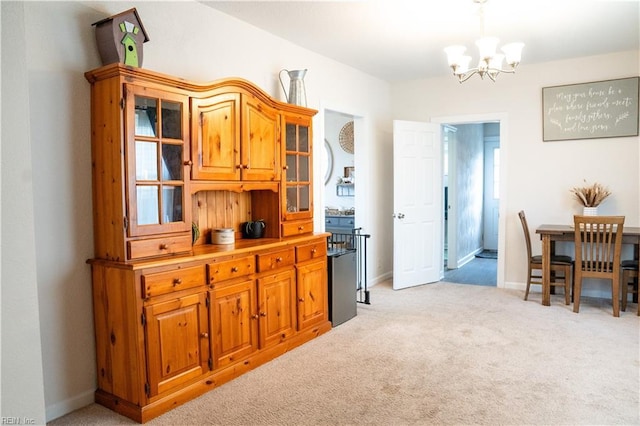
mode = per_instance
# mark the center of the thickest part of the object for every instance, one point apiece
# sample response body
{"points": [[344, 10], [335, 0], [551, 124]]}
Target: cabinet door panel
{"points": [[234, 322], [312, 294], [277, 296], [261, 142], [177, 338], [297, 199], [216, 129], [157, 152]]}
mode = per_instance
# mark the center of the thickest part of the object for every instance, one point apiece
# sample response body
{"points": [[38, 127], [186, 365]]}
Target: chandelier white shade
{"points": [[490, 62]]}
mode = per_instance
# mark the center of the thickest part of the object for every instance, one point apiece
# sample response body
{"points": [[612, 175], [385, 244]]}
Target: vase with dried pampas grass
{"points": [[591, 196]]}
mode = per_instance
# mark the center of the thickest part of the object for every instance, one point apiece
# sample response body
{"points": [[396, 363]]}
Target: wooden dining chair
{"points": [[629, 280], [559, 263], [598, 242]]}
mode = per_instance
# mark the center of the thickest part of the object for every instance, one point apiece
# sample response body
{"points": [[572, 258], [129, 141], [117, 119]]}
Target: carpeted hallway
{"points": [[479, 271], [438, 354]]}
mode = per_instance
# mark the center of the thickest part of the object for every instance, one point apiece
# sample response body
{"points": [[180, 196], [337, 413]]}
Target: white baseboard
{"points": [[380, 278], [61, 408], [468, 258]]}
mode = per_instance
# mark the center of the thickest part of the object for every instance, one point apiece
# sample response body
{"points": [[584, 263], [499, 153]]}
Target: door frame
{"points": [[493, 142], [360, 161], [502, 118]]}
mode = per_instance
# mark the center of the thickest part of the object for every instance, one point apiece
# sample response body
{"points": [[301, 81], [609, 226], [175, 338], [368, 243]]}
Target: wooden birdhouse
{"points": [[120, 38]]}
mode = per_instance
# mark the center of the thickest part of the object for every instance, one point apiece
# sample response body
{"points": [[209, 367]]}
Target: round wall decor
{"points": [[346, 137]]}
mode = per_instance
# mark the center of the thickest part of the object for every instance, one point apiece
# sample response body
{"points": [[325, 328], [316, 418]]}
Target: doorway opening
{"points": [[473, 169], [339, 172]]}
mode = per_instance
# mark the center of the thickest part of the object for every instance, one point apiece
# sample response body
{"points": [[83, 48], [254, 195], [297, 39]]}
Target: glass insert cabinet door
{"points": [[298, 169], [157, 165]]}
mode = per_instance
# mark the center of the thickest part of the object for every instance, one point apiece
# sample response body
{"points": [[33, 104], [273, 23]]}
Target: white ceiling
{"points": [[404, 39]]}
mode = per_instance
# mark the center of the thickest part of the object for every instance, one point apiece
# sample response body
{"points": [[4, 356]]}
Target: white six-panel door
{"points": [[417, 204]]}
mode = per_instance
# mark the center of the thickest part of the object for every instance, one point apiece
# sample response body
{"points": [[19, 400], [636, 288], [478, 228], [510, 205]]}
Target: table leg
{"points": [[636, 255], [546, 269]]}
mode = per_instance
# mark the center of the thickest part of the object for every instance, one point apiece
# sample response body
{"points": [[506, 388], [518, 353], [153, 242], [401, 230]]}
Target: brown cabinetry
{"points": [[177, 342], [175, 317], [311, 279], [297, 196], [236, 137], [140, 158], [215, 125], [234, 321]]}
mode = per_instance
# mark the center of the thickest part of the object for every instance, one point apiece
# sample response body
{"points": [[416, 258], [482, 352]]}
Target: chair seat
{"points": [[629, 264], [557, 259]]}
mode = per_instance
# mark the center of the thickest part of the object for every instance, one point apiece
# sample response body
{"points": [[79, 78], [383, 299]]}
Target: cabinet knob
{"points": [[278, 259], [314, 251], [204, 335], [239, 166], [300, 228], [177, 281], [234, 269], [163, 246], [263, 314], [254, 316], [285, 168], [301, 299], [188, 163], [246, 166]]}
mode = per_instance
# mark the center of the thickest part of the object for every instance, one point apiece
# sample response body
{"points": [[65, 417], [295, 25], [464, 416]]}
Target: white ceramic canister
{"points": [[222, 236]]}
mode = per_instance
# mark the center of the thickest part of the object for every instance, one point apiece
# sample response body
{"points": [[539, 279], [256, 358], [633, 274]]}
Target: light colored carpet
{"points": [[438, 354]]}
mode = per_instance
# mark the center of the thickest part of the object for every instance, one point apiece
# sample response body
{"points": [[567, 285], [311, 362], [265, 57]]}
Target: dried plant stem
{"points": [[591, 195]]}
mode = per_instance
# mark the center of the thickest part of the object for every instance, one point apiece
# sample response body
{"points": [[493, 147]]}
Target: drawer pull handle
{"points": [[177, 281], [278, 259], [234, 269], [164, 246], [204, 335], [314, 251], [300, 228]]}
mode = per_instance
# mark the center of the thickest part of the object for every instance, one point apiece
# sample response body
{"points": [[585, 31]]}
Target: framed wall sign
{"points": [[599, 109]]}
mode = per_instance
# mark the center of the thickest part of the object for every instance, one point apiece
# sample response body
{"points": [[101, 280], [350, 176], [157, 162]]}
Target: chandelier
{"points": [[490, 62]]}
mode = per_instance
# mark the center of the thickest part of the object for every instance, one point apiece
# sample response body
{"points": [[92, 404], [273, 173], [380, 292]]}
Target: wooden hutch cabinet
{"points": [[176, 315]]}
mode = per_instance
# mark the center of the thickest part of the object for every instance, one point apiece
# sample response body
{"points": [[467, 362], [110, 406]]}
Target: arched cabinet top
{"points": [[133, 75]]}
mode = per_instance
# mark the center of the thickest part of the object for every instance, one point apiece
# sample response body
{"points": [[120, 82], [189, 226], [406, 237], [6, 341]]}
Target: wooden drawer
{"points": [[277, 259], [166, 282], [227, 269], [297, 228], [317, 249], [159, 246]]}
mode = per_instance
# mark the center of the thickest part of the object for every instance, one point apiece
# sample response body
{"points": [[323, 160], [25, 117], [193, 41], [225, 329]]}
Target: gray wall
{"points": [[470, 188]]}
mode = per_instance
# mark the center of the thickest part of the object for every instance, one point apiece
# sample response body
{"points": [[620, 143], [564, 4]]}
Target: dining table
{"points": [[550, 234]]}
